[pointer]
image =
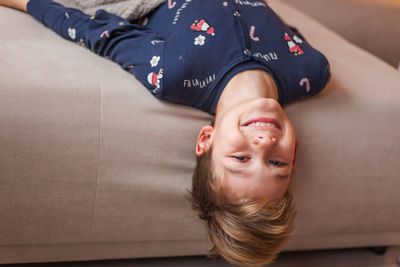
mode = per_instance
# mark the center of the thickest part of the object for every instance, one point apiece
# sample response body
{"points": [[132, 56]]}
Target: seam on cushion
{"points": [[98, 148]]}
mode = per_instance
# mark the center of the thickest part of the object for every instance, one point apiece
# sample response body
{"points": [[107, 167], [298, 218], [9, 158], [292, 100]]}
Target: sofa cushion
{"points": [[94, 167]]}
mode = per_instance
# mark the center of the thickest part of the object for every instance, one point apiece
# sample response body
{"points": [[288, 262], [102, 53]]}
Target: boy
{"points": [[233, 59]]}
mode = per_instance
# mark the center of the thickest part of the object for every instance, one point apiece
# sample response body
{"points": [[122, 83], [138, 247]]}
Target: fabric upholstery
{"points": [[94, 167], [370, 24]]}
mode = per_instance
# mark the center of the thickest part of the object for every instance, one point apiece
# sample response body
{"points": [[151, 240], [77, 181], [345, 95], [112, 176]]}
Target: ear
{"points": [[204, 140], [295, 151]]}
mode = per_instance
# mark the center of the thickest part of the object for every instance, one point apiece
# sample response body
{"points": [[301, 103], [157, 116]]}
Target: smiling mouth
{"points": [[263, 122]]}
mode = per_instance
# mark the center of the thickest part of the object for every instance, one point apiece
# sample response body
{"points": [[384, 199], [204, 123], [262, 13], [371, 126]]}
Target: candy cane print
{"points": [[170, 4], [252, 29], [305, 80], [105, 33]]}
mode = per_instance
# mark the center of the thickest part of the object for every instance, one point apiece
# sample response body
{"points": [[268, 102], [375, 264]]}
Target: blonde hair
{"points": [[248, 232]]}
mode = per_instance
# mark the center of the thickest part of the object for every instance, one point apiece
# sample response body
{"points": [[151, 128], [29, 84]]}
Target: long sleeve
{"points": [[134, 47]]}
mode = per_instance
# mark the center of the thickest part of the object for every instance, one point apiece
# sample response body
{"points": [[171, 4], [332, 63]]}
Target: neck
{"points": [[246, 86]]}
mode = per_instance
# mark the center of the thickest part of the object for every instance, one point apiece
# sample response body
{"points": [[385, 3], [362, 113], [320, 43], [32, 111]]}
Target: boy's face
{"points": [[254, 148]]}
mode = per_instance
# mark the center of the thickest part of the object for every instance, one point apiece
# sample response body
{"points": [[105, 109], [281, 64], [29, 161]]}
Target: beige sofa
{"points": [[94, 167], [370, 24]]}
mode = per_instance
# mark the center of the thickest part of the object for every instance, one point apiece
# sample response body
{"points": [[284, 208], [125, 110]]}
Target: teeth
{"points": [[262, 124]]}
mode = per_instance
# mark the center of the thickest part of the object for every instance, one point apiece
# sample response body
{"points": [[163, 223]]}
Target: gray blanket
{"points": [[128, 9]]}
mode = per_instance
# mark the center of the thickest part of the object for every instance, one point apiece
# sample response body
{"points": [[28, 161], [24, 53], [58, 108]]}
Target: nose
{"points": [[260, 139]]}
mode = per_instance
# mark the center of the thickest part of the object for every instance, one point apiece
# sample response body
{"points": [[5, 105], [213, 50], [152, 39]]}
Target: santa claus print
{"points": [[293, 47], [203, 26], [154, 79]]}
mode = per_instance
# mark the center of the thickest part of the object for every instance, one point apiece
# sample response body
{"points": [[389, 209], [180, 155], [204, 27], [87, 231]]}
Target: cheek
{"points": [[230, 141], [289, 144]]}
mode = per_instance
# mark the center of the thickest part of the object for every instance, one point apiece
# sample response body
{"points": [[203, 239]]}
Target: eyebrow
{"points": [[240, 172], [283, 176], [243, 172]]}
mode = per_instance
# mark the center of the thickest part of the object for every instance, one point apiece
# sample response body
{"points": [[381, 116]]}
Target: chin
{"points": [[267, 103], [265, 106]]}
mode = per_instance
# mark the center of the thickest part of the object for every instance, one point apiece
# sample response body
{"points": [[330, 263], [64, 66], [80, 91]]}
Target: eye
{"points": [[277, 163], [241, 158]]}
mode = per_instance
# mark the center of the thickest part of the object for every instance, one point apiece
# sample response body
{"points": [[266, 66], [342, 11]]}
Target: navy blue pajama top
{"points": [[186, 51]]}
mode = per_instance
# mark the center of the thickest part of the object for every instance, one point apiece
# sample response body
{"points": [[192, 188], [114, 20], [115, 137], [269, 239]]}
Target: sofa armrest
{"points": [[371, 24]]}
